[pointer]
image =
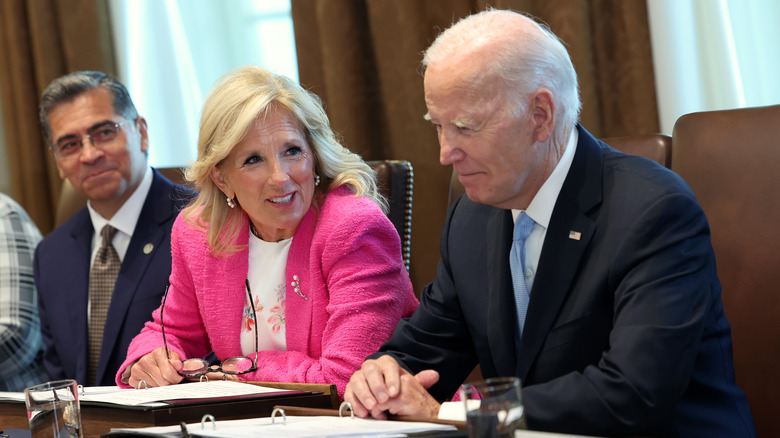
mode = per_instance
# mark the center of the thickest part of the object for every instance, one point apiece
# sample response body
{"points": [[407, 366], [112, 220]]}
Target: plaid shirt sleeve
{"points": [[20, 335]]}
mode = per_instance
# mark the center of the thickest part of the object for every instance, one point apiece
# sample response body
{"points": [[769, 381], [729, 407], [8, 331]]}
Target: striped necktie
{"points": [[102, 278]]}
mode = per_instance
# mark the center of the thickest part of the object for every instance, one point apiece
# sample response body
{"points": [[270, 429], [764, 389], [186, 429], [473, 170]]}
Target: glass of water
{"points": [[494, 407], [53, 409]]}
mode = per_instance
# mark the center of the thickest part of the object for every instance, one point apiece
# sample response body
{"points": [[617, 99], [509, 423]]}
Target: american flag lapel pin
{"points": [[575, 235]]}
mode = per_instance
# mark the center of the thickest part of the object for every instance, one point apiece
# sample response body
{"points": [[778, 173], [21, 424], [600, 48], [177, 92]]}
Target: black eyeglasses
{"points": [[197, 367], [99, 135]]}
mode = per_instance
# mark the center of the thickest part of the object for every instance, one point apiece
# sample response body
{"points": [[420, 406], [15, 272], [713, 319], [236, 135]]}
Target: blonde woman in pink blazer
{"points": [[285, 265]]}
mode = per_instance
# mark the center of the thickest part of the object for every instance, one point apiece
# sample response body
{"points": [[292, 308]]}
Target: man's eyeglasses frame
{"points": [[92, 135]]}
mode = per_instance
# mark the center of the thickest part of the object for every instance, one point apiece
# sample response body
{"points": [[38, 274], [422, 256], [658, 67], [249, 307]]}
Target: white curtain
{"points": [[714, 54], [170, 52]]}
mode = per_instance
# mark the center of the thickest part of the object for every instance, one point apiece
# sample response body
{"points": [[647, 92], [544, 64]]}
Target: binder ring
{"points": [[278, 411], [204, 377], [81, 390], [210, 418], [139, 384], [346, 405]]}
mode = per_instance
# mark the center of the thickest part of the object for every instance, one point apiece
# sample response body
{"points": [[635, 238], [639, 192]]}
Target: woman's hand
{"points": [[156, 369]]}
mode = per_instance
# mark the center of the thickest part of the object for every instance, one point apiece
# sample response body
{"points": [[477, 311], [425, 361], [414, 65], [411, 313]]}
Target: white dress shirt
{"points": [[124, 221], [541, 207]]}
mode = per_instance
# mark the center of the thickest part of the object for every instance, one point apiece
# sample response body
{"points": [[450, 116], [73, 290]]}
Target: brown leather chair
{"points": [[657, 147], [395, 180], [730, 159]]}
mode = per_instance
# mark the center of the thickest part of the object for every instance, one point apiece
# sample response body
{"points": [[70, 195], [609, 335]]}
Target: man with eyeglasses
{"points": [[102, 273]]}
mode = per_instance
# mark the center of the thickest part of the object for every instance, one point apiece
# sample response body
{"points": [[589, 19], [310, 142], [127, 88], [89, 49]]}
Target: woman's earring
{"points": [[230, 203], [316, 180]]}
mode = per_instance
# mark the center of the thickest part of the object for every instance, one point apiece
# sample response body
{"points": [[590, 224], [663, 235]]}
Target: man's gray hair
{"points": [[530, 57], [66, 88]]}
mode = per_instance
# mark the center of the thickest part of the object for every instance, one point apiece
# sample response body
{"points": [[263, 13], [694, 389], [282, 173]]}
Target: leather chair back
{"points": [[395, 180], [657, 147], [730, 159]]}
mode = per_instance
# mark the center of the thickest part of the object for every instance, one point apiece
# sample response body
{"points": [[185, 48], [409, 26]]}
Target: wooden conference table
{"points": [[99, 419], [314, 399]]}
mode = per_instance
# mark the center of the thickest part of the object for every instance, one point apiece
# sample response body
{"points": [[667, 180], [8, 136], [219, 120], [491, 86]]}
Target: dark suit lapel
{"points": [[567, 238], [501, 316], [77, 289], [147, 239]]}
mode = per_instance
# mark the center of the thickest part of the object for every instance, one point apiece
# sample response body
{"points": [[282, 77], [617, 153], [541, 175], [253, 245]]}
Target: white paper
{"points": [[298, 427], [152, 397]]}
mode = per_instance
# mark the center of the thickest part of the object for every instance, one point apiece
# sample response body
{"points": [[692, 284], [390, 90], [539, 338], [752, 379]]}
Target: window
{"points": [[714, 54], [170, 52]]}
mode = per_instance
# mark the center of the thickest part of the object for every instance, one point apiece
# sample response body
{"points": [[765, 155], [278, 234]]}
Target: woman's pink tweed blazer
{"points": [[347, 258]]}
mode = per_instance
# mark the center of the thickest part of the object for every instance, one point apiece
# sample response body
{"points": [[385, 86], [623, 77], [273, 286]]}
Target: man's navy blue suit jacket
{"points": [[625, 332], [62, 264]]}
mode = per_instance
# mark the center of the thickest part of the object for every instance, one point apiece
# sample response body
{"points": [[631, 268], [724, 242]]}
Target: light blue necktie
{"points": [[523, 226]]}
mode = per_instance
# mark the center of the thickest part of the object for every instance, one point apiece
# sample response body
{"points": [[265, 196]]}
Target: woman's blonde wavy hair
{"points": [[234, 102]]}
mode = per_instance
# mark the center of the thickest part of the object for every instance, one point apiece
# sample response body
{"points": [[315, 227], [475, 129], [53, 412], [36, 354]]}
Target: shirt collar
{"points": [[126, 217], [541, 207]]}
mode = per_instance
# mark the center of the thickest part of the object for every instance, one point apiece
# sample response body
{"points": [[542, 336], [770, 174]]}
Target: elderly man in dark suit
{"points": [[607, 307], [102, 273]]}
